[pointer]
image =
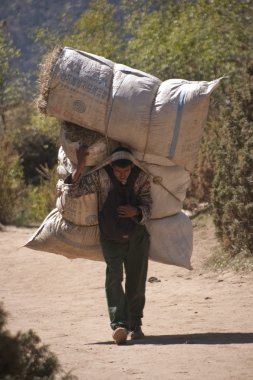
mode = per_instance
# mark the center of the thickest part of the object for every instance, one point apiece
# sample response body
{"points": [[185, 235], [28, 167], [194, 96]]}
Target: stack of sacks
{"points": [[72, 228], [162, 123]]}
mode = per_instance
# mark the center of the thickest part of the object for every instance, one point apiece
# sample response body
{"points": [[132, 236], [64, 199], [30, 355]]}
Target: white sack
{"points": [[164, 203], [171, 239], [172, 178], [56, 235], [168, 191], [98, 151], [82, 211], [163, 119]]}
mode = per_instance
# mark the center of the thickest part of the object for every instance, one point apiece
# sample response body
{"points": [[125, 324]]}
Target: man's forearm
{"points": [[76, 174], [81, 154]]}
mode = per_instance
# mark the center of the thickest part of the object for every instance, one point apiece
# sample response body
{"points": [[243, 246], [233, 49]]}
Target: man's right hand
{"points": [[81, 154]]}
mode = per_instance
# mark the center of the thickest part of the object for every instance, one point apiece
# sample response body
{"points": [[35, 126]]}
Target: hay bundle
{"points": [[45, 73]]}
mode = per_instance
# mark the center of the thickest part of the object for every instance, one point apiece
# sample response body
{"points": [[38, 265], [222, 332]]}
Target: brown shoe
{"points": [[120, 335], [136, 333]]}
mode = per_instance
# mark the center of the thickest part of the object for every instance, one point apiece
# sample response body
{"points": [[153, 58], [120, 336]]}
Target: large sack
{"points": [[163, 119], [99, 147], [164, 203], [171, 239], [57, 235], [168, 190], [174, 178], [82, 211]]}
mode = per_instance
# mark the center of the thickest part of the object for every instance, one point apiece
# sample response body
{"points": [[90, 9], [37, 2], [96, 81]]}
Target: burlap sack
{"points": [[57, 235], [171, 239], [99, 147], [82, 211], [168, 191]]}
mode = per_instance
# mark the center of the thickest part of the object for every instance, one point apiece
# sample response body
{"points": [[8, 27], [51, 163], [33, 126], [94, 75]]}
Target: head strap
{"points": [[121, 155]]}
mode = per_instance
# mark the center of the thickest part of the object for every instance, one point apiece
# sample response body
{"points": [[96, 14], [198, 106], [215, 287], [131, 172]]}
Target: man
{"points": [[124, 201]]}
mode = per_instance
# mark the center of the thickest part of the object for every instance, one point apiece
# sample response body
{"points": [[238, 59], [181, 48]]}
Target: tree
{"points": [[193, 40], [12, 96], [97, 30], [232, 194], [23, 357], [12, 83]]}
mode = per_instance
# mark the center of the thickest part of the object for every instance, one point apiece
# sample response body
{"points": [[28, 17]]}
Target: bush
{"points": [[232, 194], [36, 150], [39, 200], [23, 357], [11, 183]]}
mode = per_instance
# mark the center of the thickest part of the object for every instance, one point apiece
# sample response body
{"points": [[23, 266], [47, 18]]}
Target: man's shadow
{"points": [[215, 338]]}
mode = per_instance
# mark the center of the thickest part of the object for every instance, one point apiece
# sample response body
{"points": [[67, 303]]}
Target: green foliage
{"points": [[12, 82], [23, 357], [49, 39], [193, 40], [11, 173], [8, 54], [37, 142], [39, 124], [222, 260], [11, 183], [232, 195], [39, 200], [27, 146], [97, 30], [203, 174], [23, 17]]}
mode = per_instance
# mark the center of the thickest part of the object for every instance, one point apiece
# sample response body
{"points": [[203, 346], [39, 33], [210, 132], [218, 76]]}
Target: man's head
{"points": [[121, 164]]}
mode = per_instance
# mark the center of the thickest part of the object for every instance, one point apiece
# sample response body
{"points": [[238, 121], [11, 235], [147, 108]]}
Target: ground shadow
{"points": [[202, 338]]}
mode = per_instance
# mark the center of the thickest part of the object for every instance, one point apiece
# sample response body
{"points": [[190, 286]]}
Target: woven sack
{"points": [[171, 239], [162, 119]]}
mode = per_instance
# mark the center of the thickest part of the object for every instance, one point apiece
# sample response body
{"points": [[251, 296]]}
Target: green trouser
{"points": [[126, 308]]}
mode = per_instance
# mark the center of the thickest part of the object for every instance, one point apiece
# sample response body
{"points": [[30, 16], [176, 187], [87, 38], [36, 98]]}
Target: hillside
{"points": [[23, 17]]}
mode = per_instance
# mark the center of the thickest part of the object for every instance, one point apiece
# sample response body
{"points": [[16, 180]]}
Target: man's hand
{"points": [[127, 211], [81, 154]]}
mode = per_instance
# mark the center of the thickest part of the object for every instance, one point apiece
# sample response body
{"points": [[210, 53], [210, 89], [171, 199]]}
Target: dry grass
{"points": [[222, 260], [73, 132], [45, 73]]}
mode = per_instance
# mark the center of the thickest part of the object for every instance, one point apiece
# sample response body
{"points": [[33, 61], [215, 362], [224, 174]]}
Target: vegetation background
{"points": [[195, 40]]}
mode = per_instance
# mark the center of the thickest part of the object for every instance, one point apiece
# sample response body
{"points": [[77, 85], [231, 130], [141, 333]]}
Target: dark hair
{"points": [[122, 163]]}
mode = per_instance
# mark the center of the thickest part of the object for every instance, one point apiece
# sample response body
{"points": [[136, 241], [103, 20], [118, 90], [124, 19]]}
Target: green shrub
{"points": [[40, 200], [222, 260], [232, 193], [23, 357], [11, 183]]}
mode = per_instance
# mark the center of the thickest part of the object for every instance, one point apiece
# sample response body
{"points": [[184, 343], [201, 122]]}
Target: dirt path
{"points": [[198, 325]]}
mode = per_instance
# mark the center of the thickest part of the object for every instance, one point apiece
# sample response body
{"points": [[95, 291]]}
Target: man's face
{"points": [[122, 174]]}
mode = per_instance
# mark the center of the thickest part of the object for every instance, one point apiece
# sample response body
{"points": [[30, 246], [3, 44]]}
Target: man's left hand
{"points": [[127, 211]]}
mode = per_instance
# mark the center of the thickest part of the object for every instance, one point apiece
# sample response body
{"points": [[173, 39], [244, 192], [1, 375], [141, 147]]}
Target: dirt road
{"points": [[198, 324]]}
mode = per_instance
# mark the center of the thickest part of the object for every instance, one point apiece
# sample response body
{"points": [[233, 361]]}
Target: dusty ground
{"points": [[198, 324]]}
